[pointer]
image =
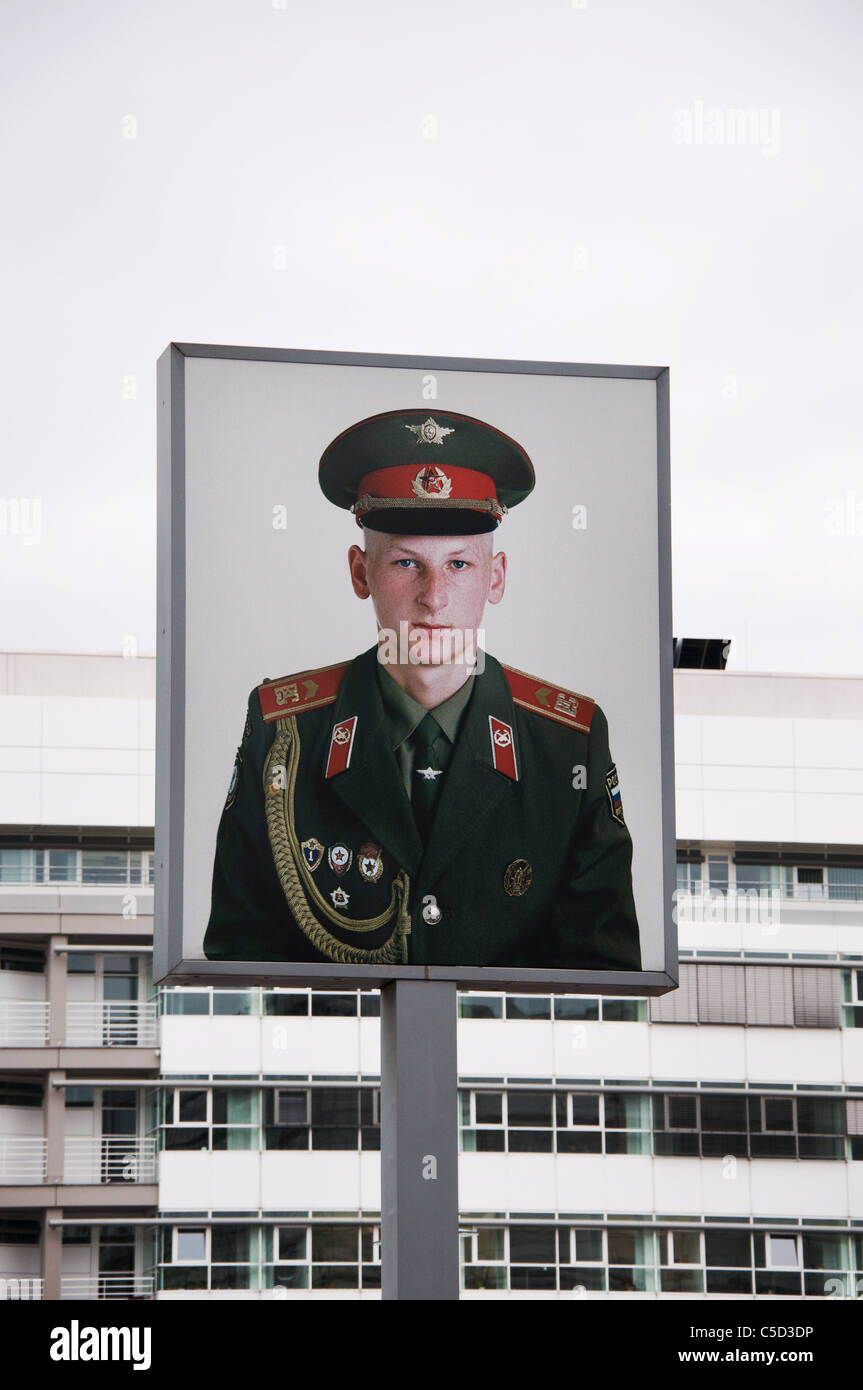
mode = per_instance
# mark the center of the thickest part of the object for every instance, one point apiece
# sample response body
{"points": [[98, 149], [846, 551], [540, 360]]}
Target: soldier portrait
{"points": [[423, 801]]}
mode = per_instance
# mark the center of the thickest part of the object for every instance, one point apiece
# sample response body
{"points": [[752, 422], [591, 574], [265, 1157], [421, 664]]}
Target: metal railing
{"points": [[22, 1158], [24, 1023], [101, 1286], [114, 1024], [114, 1159], [20, 1287]]}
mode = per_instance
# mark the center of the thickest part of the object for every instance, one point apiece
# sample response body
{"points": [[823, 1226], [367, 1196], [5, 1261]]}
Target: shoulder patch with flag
{"points": [[564, 706], [296, 694], [612, 786]]}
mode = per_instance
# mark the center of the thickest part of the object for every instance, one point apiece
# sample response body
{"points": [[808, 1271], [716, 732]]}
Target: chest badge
{"points": [[517, 878], [313, 853], [370, 861], [502, 747], [340, 897], [339, 857]]}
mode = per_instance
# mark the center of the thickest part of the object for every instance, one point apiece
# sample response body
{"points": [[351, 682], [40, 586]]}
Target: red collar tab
{"points": [[503, 747], [341, 745]]}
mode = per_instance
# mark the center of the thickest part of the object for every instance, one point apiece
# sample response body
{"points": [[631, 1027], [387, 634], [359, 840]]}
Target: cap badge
{"points": [[431, 482], [429, 432]]}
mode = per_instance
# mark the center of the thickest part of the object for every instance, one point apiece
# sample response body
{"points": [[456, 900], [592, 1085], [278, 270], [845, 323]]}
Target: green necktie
{"points": [[426, 774]]}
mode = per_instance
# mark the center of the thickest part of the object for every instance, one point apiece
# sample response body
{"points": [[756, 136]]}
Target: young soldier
{"points": [[424, 804]]}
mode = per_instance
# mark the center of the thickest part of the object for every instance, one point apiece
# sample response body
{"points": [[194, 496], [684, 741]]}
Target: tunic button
{"points": [[432, 914]]}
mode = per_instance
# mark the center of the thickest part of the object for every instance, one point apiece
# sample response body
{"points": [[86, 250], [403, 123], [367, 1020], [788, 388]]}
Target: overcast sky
{"points": [[602, 181]]}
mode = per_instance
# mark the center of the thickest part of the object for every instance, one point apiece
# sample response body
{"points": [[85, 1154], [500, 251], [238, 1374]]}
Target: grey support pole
{"points": [[419, 1140]]}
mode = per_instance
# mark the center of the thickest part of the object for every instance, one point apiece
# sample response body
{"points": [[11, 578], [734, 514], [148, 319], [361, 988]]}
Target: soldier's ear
{"points": [[498, 577], [358, 563]]}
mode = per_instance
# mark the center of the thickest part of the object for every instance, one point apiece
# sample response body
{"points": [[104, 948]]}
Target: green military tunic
{"points": [[527, 862]]}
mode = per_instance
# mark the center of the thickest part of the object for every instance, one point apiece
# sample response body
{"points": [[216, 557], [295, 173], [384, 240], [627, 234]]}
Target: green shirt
{"points": [[403, 715]]}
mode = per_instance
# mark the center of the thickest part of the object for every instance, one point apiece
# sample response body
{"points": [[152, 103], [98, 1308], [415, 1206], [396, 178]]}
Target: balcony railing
{"points": [[24, 1023], [115, 1024], [101, 1286], [22, 1158], [114, 1159], [20, 1287]]}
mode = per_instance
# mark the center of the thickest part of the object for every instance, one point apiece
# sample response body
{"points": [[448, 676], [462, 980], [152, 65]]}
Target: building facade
{"points": [[224, 1143]]}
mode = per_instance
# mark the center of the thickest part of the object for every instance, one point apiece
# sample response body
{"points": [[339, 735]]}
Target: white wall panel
{"points": [[792, 1188], [829, 742], [682, 1051], [793, 1054], [204, 1045], [318, 1045], [21, 720], [519, 1047], [20, 800], [757, 742], [322, 1181], [600, 1049], [746, 815], [79, 799], [89, 722]]}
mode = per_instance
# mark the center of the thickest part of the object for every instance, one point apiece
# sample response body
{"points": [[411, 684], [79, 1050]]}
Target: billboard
{"points": [[414, 672]]}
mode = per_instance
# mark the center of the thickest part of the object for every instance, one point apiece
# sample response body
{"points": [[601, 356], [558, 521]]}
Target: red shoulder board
{"points": [[576, 711], [296, 694]]}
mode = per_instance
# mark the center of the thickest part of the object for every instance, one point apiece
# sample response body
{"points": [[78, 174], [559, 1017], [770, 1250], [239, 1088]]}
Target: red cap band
{"points": [[427, 482]]}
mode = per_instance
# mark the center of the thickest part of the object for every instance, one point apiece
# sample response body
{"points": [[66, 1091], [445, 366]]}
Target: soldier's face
{"points": [[432, 583]]}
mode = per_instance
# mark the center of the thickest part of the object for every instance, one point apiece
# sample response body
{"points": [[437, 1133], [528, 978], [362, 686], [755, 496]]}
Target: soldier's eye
{"points": [[404, 562], [460, 564]]}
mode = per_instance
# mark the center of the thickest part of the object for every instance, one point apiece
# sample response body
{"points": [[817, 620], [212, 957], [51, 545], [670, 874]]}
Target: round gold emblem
{"points": [[517, 878]]}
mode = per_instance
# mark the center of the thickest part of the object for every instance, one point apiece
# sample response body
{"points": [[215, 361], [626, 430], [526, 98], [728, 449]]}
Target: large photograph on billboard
{"points": [[415, 671]]}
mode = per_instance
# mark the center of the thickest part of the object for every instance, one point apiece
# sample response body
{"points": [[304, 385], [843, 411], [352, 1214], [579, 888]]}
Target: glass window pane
{"points": [[291, 1108], [334, 1005], [682, 1112], [286, 1005], [567, 1008], [192, 1106], [623, 1010], [336, 1106], [723, 1113], [528, 1006], [490, 1244], [489, 1108], [80, 963], [335, 1243], [487, 1007], [19, 866], [729, 1248], [104, 866], [232, 1244], [191, 1245], [782, 1250], [532, 1244], [778, 1114], [62, 865], [588, 1246], [292, 1243], [234, 1002], [585, 1110], [685, 1247], [529, 1108]]}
